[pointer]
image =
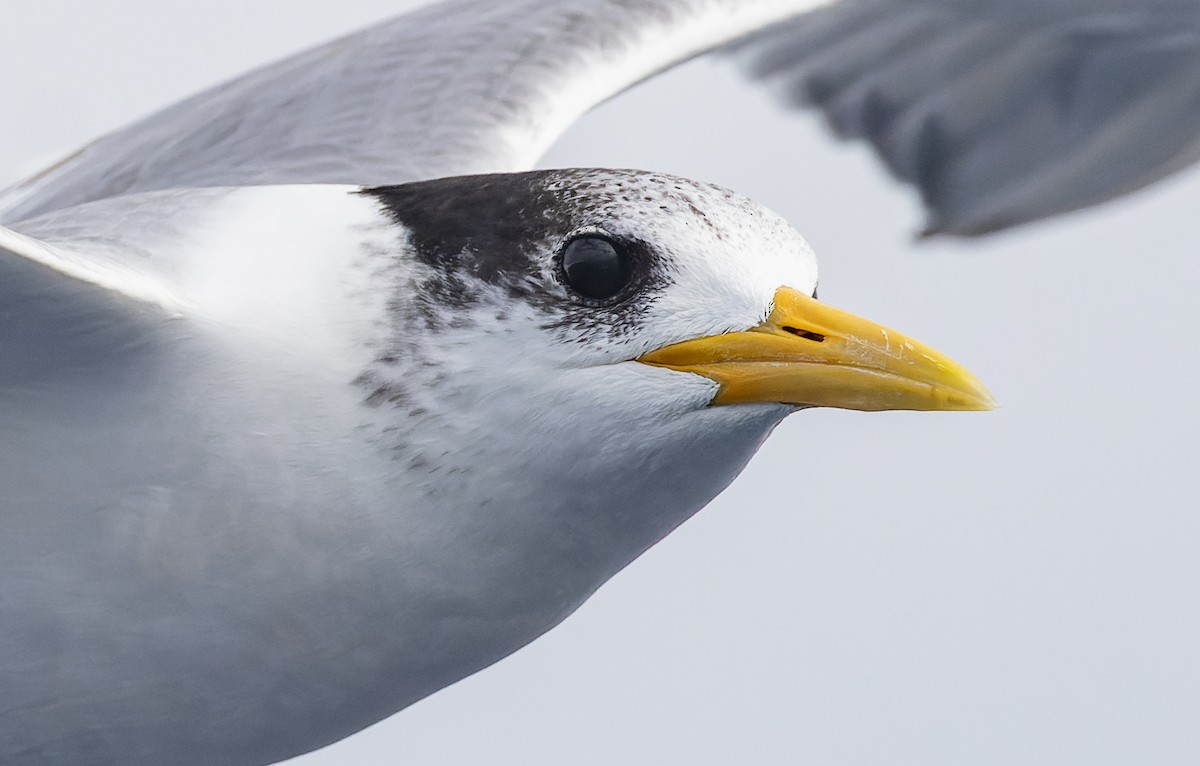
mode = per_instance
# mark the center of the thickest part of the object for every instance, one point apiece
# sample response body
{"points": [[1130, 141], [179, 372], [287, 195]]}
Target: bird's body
{"points": [[282, 460], [126, 424], [300, 497]]}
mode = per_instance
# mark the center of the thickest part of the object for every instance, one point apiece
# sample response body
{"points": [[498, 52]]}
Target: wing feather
{"points": [[34, 267], [997, 112], [1001, 113], [465, 86]]}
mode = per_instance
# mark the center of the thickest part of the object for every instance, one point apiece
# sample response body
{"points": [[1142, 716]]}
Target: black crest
{"points": [[507, 231]]}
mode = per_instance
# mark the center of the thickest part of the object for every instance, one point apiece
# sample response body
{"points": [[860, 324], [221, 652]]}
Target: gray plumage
{"points": [[999, 113]]}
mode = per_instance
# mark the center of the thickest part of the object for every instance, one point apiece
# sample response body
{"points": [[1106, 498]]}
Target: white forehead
{"points": [[724, 254]]}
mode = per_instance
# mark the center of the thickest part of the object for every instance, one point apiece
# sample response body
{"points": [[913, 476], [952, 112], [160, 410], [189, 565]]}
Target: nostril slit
{"points": [[818, 337]]}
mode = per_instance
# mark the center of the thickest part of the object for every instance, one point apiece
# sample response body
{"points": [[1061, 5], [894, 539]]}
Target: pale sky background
{"points": [[1020, 587]]}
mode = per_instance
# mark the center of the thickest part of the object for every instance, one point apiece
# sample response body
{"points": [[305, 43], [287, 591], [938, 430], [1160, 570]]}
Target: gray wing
{"points": [[43, 290], [1006, 111], [999, 112], [135, 458], [464, 86]]}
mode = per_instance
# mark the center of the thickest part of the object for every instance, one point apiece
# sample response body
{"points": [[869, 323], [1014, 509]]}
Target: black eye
{"points": [[596, 268]]}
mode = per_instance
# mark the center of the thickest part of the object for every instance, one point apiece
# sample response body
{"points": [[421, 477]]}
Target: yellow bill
{"points": [[809, 353]]}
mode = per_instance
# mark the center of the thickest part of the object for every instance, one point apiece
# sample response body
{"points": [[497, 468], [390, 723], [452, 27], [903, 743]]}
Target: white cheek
{"points": [[730, 285]]}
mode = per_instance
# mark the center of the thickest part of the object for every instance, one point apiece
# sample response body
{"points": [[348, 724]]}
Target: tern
{"points": [[317, 399]]}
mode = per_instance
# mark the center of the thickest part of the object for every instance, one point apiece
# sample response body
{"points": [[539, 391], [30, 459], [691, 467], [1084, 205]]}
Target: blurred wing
{"points": [[460, 87], [999, 112]]}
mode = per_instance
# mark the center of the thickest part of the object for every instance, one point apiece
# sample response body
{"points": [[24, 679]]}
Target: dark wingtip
{"points": [[938, 225]]}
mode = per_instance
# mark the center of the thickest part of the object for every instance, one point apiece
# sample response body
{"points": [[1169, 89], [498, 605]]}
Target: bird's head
{"points": [[587, 345], [687, 286], [623, 323]]}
